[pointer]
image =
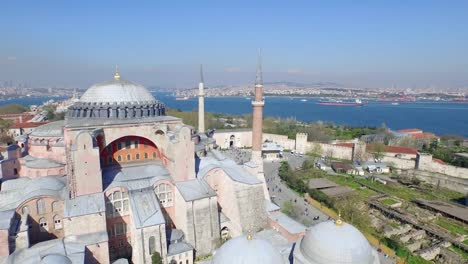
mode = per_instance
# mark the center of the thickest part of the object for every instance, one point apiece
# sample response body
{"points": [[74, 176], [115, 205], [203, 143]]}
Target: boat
{"points": [[395, 103], [357, 102], [182, 98], [460, 100], [303, 100]]}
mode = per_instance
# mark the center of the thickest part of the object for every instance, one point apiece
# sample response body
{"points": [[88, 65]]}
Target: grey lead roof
{"points": [[41, 163], [215, 159], [58, 251], [145, 208], [177, 248], [85, 205], [16, 191], [117, 91], [135, 176], [52, 129], [194, 190]]}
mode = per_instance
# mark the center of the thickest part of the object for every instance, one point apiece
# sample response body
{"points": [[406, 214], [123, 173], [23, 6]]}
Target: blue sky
{"points": [[356, 43]]}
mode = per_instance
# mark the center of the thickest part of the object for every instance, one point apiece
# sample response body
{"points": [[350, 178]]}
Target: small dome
{"points": [[117, 91], [247, 251], [55, 259], [342, 243]]}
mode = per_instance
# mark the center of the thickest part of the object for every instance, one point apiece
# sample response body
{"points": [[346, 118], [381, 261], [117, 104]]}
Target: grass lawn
{"points": [[459, 251], [453, 227], [389, 201]]}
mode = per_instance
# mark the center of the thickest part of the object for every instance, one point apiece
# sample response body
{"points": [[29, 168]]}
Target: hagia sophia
{"points": [[118, 180]]}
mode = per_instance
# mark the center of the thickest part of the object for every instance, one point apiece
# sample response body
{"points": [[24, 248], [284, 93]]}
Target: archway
{"points": [[232, 140], [129, 149]]}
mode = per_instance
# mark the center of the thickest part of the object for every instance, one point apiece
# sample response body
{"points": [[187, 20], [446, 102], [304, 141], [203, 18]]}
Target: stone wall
{"points": [[405, 164], [447, 181]]}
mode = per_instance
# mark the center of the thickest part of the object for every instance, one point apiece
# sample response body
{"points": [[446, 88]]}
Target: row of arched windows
{"points": [[164, 193], [43, 226], [41, 207], [130, 157]]}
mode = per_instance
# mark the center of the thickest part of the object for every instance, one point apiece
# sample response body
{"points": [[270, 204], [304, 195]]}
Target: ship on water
{"points": [[357, 102], [182, 98]]}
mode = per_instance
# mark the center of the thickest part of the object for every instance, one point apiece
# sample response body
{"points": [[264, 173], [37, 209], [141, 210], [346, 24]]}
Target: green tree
{"points": [[288, 209], [156, 258], [316, 150], [13, 109], [377, 150]]}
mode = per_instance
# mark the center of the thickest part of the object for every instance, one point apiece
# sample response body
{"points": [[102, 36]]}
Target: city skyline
{"points": [[368, 45]]}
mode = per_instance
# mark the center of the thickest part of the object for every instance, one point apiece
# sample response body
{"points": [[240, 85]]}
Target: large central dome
{"points": [[117, 91], [116, 99]]}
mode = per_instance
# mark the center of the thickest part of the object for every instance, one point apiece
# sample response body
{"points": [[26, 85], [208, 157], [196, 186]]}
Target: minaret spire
{"points": [[201, 73], [201, 103], [116, 74], [259, 77]]}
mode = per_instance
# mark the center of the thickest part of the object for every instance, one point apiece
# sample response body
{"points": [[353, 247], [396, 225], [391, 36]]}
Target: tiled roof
{"points": [[28, 125], [410, 130]]}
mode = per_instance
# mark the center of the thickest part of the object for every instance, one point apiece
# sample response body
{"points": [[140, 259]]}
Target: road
{"points": [[280, 193]]}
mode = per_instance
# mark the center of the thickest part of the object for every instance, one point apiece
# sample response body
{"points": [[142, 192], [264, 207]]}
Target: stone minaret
{"points": [[257, 118], [201, 103], [257, 128]]}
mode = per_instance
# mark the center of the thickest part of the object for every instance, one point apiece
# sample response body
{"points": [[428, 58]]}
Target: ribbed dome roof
{"points": [[117, 91], [241, 250], [328, 242]]}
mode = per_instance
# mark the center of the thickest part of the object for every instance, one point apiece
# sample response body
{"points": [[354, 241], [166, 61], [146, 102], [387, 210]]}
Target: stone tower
{"points": [[257, 128], [201, 103], [301, 142], [257, 118]]}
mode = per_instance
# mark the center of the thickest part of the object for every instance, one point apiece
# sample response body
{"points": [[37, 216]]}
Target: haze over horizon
{"points": [[373, 44]]}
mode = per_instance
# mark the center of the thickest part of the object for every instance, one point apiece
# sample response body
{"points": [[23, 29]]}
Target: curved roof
{"points": [[328, 242], [55, 259], [216, 160], [247, 251], [16, 191], [52, 129], [117, 91]]}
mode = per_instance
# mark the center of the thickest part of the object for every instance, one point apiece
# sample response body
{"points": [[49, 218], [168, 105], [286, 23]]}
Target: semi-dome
{"points": [[116, 99], [247, 250], [335, 242], [52, 129]]}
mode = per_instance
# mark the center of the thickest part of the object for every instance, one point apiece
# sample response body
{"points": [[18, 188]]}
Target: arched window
{"points": [[119, 145], [119, 158], [137, 156], [154, 154], [57, 222], [25, 210], [109, 160], [15, 171], [55, 206], [136, 144], [152, 244], [146, 155], [164, 193], [117, 204], [40, 206], [43, 225], [128, 157]]}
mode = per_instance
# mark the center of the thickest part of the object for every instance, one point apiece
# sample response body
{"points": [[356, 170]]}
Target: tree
{"points": [[288, 209], [156, 258], [316, 150], [377, 150]]}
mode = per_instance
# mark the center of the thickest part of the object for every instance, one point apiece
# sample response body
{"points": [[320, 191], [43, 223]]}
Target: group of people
{"points": [[238, 155]]}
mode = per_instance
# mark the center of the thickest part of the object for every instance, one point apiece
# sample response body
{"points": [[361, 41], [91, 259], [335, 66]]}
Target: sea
{"points": [[437, 117]]}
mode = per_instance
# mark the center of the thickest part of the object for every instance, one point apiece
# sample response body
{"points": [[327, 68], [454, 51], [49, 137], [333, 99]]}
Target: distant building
{"points": [[272, 151], [342, 167]]}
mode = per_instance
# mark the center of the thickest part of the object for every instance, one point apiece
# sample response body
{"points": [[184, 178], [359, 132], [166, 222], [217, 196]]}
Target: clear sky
{"points": [[375, 43]]}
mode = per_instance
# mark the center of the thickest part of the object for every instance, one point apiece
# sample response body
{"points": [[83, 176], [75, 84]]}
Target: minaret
{"points": [[257, 127], [201, 103], [257, 118]]}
